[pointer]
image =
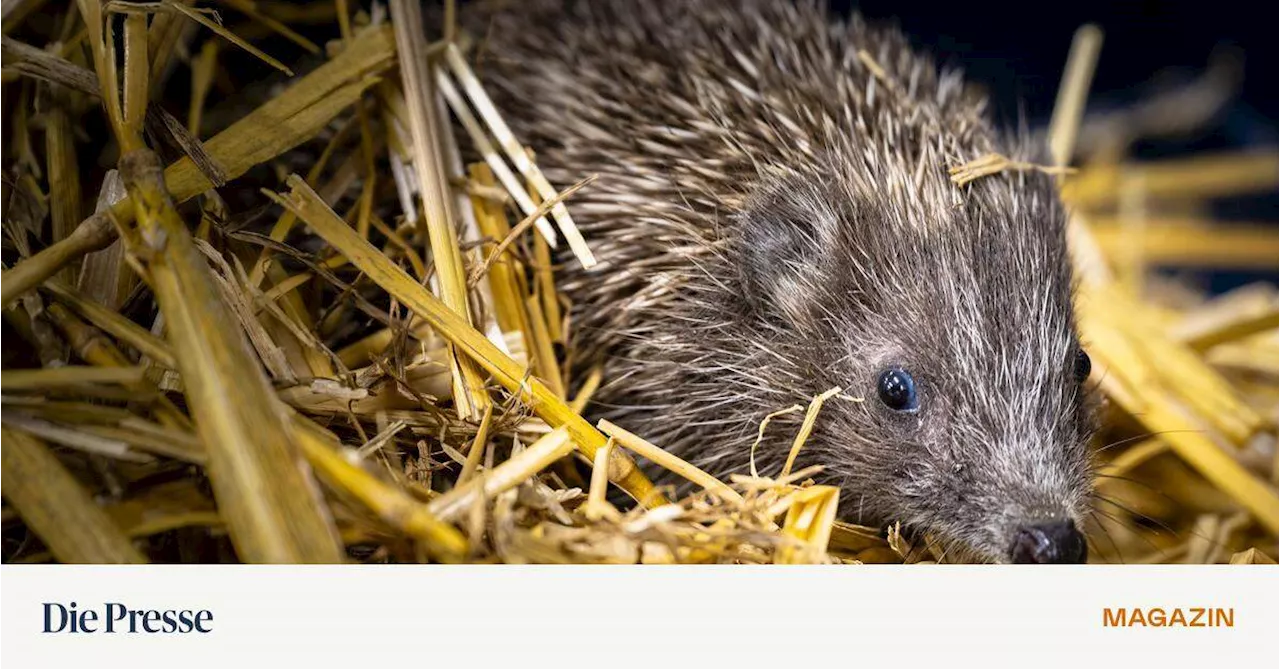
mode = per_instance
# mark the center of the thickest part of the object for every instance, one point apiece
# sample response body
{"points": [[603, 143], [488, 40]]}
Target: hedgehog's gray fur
{"points": [[774, 218]]}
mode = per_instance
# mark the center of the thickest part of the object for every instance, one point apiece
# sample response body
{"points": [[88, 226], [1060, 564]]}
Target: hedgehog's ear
{"points": [[788, 237]]}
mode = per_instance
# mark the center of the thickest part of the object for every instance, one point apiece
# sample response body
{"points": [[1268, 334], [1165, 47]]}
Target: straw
{"points": [[516, 152], [279, 125], [469, 395], [309, 207], [57, 508]]}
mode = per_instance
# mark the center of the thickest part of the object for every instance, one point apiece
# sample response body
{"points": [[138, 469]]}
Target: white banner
{"points": [[1031, 618]]}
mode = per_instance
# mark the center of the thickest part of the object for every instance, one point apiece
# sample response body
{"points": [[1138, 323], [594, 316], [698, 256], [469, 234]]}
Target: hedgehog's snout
{"points": [[1038, 518], [1056, 542]]}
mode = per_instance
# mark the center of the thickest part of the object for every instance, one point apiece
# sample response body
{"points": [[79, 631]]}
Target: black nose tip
{"points": [[1049, 543]]}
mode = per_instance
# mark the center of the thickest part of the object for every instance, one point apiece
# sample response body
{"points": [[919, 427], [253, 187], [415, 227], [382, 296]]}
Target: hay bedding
{"points": [[324, 320]]}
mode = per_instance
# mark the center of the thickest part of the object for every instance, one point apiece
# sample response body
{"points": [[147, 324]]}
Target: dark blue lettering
{"points": [[115, 612], [204, 616], [48, 617], [115, 618]]}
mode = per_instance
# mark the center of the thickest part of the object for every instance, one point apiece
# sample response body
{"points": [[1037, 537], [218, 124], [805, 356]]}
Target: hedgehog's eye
{"points": [[897, 390], [1083, 365]]}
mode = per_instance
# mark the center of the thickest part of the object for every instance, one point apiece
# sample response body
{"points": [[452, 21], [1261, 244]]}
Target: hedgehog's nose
{"points": [[1049, 543]]}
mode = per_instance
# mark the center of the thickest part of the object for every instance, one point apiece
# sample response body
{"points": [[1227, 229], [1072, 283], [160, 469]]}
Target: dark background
{"points": [[1017, 50]]}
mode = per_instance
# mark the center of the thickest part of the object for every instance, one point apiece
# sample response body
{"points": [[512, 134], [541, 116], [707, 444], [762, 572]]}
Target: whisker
{"points": [[1140, 437], [1093, 513], [1172, 532], [1118, 505], [1148, 486], [1138, 531]]}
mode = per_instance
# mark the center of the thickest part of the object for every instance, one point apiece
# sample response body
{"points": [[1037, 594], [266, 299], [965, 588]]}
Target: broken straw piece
{"points": [[516, 153], [516, 470], [491, 157], [668, 461]]}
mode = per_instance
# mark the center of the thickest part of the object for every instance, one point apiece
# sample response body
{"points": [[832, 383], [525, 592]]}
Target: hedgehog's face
{"points": [[979, 441], [958, 336]]}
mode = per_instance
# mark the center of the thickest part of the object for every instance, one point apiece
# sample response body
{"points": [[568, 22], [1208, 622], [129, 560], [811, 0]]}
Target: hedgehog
{"points": [[774, 218]]}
